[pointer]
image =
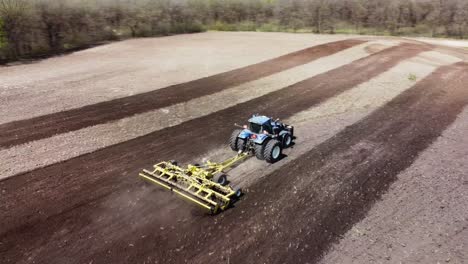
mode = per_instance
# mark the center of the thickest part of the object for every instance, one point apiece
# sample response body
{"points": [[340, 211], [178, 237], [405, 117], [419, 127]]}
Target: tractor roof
{"points": [[259, 120]]}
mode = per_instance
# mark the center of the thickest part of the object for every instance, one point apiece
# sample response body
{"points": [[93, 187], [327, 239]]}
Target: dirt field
{"points": [[377, 174]]}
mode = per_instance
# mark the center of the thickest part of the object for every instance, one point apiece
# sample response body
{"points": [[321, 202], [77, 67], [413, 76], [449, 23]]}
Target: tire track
{"points": [[55, 192], [22, 131], [336, 183]]}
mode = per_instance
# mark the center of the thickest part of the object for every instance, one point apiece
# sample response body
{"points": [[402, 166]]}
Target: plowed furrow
{"points": [[64, 195], [22, 131], [47, 151], [331, 187]]}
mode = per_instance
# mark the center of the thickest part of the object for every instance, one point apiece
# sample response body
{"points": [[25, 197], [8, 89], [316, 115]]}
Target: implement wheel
{"points": [[272, 152], [221, 179], [237, 192]]}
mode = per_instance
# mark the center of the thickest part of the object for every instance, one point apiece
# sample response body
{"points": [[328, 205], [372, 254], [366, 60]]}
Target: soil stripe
{"points": [[62, 186], [337, 182], [40, 153], [22, 131], [339, 112]]}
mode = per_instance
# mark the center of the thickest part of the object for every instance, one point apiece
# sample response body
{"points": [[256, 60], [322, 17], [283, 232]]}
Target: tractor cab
{"points": [[259, 124], [265, 125]]}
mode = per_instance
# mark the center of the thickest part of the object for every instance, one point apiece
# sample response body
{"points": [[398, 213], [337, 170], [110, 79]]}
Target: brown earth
{"points": [[136, 66], [18, 132], [333, 187], [92, 208], [118, 160], [422, 218]]}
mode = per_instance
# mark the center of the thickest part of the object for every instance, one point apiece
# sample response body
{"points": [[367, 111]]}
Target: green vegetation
{"points": [[44, 27], [3, 42], [412, 77]]}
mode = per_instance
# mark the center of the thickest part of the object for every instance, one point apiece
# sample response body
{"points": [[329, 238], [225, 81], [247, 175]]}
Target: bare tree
{"points": [[461, 19], [12, 13], [54, 20], [31, 27]]}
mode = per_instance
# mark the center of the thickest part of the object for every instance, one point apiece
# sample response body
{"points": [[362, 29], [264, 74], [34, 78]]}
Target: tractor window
{"points": [[256, 128], [267, 127]]}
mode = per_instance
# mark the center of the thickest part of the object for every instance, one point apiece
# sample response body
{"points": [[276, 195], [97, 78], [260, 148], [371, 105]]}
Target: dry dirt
{"points": [[136, 66], [422, 218], [68, 145], [377, 174]]}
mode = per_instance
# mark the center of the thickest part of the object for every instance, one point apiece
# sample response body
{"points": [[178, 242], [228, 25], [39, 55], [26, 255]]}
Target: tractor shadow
{"points": [[281, 157]]}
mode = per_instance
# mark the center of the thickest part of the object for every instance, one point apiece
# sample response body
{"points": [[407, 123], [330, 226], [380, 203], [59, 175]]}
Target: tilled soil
{"points": [[335, 184], [18, 132], [136, 66], [327, 191], [423, 216], [92, 208], [64, 146], [103, 166]]}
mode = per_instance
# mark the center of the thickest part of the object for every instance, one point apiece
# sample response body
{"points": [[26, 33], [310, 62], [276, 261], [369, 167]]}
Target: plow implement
{"points": [[205, 185]]}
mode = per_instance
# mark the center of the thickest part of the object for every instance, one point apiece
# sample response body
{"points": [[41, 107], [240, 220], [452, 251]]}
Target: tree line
{"points": [[31, 28]]}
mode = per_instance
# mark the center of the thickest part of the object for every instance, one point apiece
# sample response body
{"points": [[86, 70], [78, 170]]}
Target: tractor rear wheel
{"points": [[259, 149], [272, 152], [241, 144], [233, 140]]}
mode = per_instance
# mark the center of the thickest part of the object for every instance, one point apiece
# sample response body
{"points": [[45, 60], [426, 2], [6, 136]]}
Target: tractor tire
{"points": [[241, 144], [233, 140], [221, 179], [287, 140], [291, 129], [272, 151], [259, 149]]}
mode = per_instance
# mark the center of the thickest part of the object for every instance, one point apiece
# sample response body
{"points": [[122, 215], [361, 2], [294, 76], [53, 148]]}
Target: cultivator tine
{"points": [[169, 187]]}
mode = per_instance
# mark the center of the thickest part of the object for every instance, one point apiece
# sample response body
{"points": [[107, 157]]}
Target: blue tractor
{"points": [[265, 137]]}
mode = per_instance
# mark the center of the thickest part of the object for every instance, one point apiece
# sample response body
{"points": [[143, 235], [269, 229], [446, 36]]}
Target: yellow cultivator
{"points": [[205, 185]]}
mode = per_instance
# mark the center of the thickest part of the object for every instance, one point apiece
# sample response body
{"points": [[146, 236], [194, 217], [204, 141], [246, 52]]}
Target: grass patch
{"points": [[3, 41], [412, 77]]}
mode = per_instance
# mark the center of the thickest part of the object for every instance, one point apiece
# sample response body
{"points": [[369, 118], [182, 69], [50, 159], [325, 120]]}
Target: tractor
{"points": [[206, 185], [263, 136]]}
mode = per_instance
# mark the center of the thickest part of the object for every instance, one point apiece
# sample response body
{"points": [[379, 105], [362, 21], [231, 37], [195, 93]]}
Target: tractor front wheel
{"points": [[272, 152], [287, 140]]}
